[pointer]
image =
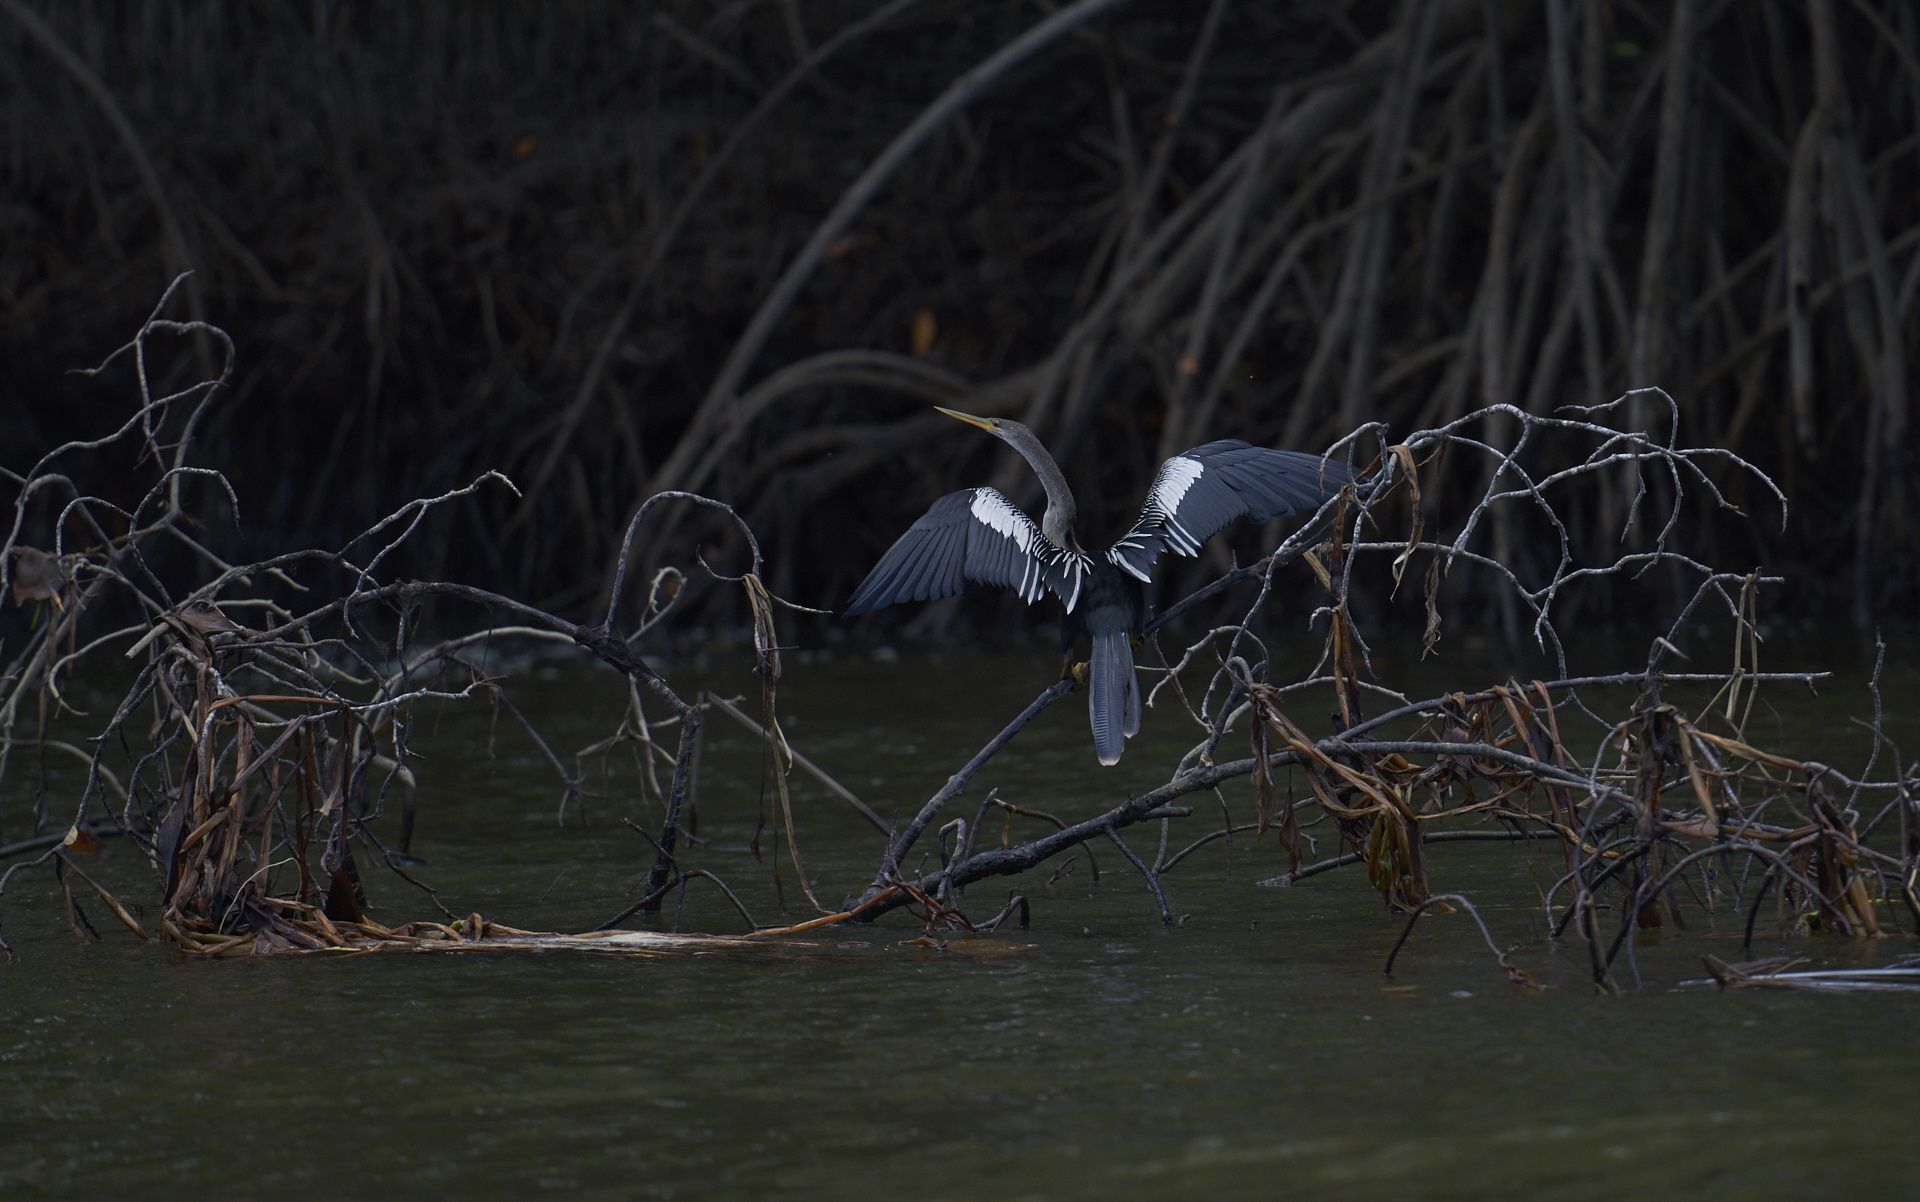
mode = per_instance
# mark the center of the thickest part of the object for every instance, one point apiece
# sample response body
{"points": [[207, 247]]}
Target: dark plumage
{"points": [[977, 536], [1111, 611], [1198, 492]]}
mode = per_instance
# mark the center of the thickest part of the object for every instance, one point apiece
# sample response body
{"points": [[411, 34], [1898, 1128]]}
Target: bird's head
{"points": [[1004, 429]]}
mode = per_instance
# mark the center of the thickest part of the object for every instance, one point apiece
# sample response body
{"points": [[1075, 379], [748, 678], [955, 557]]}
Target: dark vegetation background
{"points": [[448, 237]]}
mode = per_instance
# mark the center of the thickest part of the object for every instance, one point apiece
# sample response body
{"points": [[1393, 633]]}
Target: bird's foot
{"points": [[1076, 673]]}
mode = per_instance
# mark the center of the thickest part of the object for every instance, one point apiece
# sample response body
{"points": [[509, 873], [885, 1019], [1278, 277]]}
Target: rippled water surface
{"points": [[1254, 1051]]}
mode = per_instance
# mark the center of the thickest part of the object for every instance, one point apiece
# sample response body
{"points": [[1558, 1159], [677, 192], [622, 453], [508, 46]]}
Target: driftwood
{"points": [[1903, 977], [314, 934]]}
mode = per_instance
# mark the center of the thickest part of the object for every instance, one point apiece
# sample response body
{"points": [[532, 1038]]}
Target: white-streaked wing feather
{"points": [[1199, 491], [974, 536]]}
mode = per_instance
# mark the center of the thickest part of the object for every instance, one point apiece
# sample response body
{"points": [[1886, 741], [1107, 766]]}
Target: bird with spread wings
{"points": [[978, 536]]}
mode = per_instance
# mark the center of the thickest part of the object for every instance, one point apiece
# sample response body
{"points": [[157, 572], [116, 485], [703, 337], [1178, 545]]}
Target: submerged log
{"points": [[1900, 977], [472, 934]]}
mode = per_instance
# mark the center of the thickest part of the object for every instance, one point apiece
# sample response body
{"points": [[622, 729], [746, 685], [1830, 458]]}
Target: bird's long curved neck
{"points": [[1057, 522]]}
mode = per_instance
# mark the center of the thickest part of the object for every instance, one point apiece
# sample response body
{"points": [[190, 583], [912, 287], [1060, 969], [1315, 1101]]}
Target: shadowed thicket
{"points": [[736, 248]]}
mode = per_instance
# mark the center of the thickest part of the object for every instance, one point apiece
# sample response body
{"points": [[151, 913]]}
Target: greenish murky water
{"points": [[1255, 1051]]}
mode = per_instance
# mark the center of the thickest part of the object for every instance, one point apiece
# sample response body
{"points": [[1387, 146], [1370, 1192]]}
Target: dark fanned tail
{"points": [[1113, 695]]}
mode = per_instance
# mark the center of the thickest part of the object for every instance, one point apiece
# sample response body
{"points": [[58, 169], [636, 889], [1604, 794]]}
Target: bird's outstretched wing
{"points": [[1199, 491], [974, 536]]}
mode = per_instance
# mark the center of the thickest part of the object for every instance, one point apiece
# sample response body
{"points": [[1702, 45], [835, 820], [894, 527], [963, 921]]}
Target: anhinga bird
{"points": [[978, 536]]}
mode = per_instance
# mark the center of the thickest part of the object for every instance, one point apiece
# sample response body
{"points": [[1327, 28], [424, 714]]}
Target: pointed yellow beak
{"points": [[982, 422]]}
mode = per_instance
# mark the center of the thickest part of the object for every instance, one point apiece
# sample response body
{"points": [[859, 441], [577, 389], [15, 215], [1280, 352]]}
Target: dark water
{"points": [[1255, 1051]]}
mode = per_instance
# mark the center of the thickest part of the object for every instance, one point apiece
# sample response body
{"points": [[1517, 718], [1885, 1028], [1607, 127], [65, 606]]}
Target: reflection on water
{"points": [[1255, 1050]]}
